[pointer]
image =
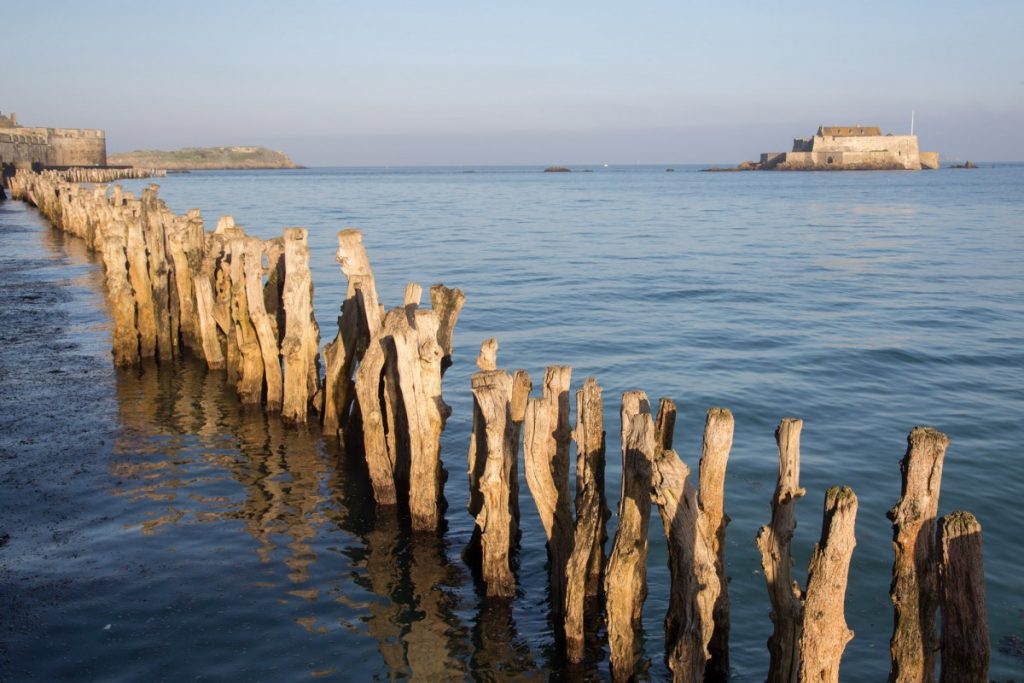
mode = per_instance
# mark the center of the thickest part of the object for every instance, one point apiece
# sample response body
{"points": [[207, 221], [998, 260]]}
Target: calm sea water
{"points": [[199, 541]]}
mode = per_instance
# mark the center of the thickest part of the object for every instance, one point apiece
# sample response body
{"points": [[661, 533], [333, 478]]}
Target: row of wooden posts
{"points": [[108, 174], [245, 306]]}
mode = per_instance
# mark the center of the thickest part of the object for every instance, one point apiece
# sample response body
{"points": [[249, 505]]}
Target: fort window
{"points": [[828, 160]]}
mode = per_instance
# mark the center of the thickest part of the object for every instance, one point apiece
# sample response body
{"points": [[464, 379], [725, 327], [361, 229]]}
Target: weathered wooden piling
{"points": [[718, 432], [153, 214], [961, 582], [300, 345], [358, 323], [626, 571], [776, 559], [694, 589], [585, 566], [251, 365], [492, 456], [185, 246], [252, 265], [914, 591], [446, 303], [417, 362], [824, 633], [122, 300], [138, 275], [546, 464]]}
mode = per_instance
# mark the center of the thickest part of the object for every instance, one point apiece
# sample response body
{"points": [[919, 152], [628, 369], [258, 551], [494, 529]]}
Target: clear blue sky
{"points": [[377, 82]]}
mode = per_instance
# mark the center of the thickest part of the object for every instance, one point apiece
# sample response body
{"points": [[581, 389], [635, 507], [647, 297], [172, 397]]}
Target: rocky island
{"points": [[205, 158], [846, 148]]}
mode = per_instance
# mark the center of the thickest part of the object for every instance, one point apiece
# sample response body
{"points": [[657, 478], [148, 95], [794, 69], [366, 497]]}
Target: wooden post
{"points": [[965, 643], [300, 345], [417, 361], [122, 301], [689, 622], [252, 263], [138, 274], [718, 431], [251, 369], [585, 567], [446, 303], [776, 559], [546, 460], [824, 635], [914, 590], [369, 377], [186, 246], [153, 212], [665, 424], [491, 460], [521, 388], [358, 323], [273, 290], [626, 573]]}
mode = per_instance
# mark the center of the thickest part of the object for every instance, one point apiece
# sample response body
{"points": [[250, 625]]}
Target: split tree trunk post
{"points": [[586, 562], [665, 424], [252, 263], [491, 460], [689, 622], [126, 335], [626, 573], [965, 641], [446, 303], [185, 245], [718, 431], [153, 227], [546, 455], [300, 344], [358, 323], [211, 346], [379, 462], [251, 369], [914, 591], [776, 558], [426, 414], [825, 634], [486, 361], [138, 274], [521, 388]]}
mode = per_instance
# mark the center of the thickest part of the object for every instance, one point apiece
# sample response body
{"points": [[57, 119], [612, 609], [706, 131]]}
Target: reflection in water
{"points": [[188, 453]]}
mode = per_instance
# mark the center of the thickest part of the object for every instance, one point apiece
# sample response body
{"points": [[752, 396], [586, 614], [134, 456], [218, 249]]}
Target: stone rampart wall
{"points": [[53, 146], [847, 161]]}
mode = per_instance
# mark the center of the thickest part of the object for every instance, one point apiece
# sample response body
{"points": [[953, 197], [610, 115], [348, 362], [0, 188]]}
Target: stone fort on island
{"points": [[39, 148], [851, 148]]}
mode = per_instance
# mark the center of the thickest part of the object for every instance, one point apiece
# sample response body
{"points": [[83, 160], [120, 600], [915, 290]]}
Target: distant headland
{"points": [[205, 158], [846, 148]]}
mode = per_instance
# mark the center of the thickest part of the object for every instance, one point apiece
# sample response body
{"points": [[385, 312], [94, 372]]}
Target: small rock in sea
{"points": [[557, 169], [670, 170]]}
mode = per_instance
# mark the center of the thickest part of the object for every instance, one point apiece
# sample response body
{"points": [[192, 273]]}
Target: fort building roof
{"points": [[849, 131]]}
